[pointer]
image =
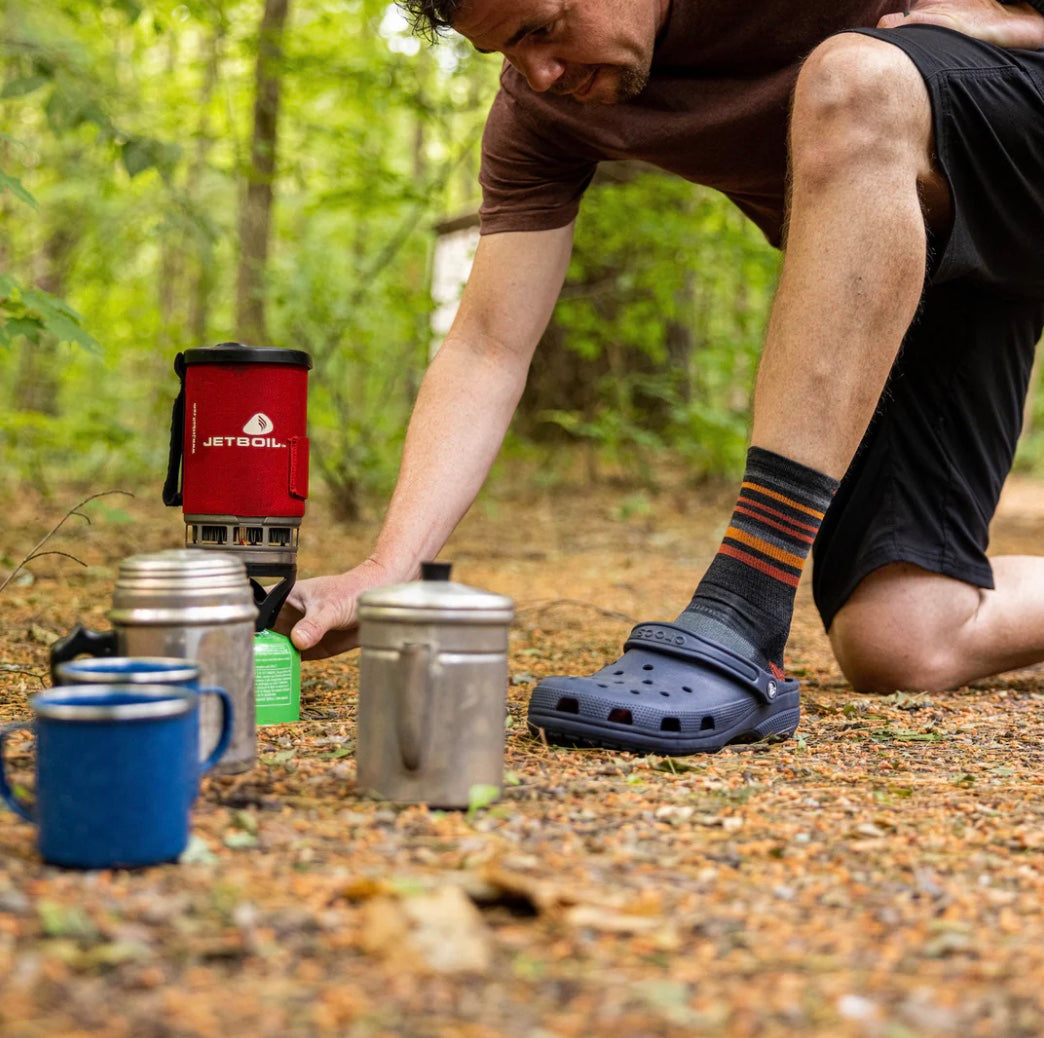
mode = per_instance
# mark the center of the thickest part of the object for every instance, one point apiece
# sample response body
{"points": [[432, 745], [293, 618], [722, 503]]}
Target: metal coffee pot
{"points": [[195, 605], [432, 691]]}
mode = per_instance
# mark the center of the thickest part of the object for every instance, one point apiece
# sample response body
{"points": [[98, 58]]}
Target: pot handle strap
{"points": [[172, 484]]}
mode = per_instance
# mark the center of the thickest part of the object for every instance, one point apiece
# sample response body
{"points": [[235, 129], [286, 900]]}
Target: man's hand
{"points": [[1016, 26], [321, 614]]}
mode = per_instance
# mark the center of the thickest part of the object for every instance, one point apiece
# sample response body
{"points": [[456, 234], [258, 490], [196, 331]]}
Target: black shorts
{"points": [[925, 482]]}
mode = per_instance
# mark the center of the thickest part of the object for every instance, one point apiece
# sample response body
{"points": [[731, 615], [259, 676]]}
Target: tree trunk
{"points": [[171, 244], [256, 212], [204, 270]]}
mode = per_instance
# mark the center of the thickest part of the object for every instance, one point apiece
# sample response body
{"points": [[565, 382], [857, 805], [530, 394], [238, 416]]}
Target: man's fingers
{"points": [[311, 628], [324, 628], [319, 614], [288, 616], [332, 644], [305, 633]]}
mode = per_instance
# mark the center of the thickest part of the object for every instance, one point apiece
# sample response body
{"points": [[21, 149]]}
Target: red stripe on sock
{"points": [[812, 528], [760, 565], [766, 548], [776, 526], [788, 501]]}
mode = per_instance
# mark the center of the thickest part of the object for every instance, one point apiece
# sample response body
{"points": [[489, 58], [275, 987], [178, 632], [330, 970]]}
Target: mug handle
{"points": [[226, 726], [413, 704], [81, 641], [19, 807]]}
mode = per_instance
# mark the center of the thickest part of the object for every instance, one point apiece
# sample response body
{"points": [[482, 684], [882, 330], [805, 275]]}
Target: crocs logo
{"points": [[657, 634], [770, 690]]}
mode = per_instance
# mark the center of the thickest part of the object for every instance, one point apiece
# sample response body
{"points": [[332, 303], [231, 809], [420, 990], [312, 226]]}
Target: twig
{"points": [[539, 608], [17, 668], [36, 553]]}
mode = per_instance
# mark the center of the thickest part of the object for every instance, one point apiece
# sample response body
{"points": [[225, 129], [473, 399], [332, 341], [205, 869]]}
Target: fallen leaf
{"points": [[441, 932]]}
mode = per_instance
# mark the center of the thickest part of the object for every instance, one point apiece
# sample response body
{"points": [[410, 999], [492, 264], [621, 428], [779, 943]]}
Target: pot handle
{"points": [[14, 802], [413, 708], [226, 726], [79, 642]]}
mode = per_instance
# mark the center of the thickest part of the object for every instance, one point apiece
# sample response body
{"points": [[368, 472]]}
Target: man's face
{"points": [[593, 50]]}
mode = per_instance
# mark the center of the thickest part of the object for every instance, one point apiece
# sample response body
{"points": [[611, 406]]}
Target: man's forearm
{"points": [[1016, 24], [1037, 5], [463, 410], [470, 392]]}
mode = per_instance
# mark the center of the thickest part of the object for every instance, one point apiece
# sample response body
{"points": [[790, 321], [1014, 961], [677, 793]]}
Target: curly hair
{"points": [[430, 18]]}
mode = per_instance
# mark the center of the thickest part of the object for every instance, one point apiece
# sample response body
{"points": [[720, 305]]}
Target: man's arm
{"points": [[1005, 23], [463, 409]]}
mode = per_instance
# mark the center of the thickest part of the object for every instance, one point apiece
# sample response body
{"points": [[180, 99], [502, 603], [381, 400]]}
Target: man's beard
{"points": [[630, 81]]}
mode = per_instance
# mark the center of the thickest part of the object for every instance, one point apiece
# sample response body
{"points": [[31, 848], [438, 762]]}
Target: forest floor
{"points": [[882, 874]]}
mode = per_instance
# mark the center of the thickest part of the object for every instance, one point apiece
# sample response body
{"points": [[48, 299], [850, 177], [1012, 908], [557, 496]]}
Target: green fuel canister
{"points": [[277, 678]]}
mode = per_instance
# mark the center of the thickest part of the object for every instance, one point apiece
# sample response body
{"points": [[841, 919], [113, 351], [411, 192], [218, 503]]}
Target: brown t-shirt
{"points": [[714, 112]]}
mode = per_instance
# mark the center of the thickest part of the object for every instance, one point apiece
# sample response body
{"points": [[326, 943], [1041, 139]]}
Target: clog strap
{"points": [[671, 640]]}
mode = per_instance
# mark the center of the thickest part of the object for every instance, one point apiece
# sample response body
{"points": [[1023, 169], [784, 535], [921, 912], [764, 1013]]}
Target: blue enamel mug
{"points": [[133, 670], [117, 771], [127, 670]]}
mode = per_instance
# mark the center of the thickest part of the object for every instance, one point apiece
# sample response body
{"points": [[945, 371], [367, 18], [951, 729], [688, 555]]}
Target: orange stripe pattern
{"points": [[771, 532], [749, 587], [783, 499]]}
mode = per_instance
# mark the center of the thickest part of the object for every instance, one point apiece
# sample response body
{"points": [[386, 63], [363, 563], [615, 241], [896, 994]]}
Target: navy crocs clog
{"points": [[672, 692]]}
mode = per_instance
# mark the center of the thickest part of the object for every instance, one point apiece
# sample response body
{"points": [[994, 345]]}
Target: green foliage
{"points": [[128, 123], [74, 448], [33, 314], [122, 164], [362, 335], [664, 309], [15, 186]]}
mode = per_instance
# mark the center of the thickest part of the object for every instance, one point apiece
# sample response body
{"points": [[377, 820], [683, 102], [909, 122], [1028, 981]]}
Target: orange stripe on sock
{"points": [[776, 526], [788, 501], [765, 547], [760, 565], [812, 528]]}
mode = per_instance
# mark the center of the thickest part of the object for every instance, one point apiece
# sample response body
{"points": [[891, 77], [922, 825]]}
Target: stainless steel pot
{"points": [[432, 691], [195, 605]]}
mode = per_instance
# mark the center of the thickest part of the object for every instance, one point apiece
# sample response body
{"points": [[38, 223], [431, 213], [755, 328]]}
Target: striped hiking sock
{"points": [[746, 598]]}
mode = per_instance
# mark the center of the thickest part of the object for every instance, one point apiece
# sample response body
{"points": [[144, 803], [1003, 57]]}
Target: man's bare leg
{"points": [[854, 268], [907, 628], [852, 279], [853, 274]]}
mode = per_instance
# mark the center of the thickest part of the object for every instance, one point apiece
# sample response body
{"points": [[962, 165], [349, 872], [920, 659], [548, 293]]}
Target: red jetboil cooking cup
{"points": [[238, 462]]}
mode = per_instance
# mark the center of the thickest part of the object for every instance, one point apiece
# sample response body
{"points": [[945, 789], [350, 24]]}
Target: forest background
{"points": [[277, 172]]}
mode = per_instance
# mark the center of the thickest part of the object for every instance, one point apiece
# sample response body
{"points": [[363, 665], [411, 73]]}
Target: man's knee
{"points": [[859, 103], [900, 630]]}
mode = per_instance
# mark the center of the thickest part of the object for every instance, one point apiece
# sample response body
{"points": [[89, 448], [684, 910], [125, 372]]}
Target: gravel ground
{"points": [[882, 874]]}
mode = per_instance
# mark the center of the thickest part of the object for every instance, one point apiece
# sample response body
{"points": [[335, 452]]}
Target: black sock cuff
{"points": [[770, 467]]}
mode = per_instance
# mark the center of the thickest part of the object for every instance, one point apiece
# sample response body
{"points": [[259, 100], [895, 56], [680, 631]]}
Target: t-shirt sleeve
{"points": [[532, 177]]}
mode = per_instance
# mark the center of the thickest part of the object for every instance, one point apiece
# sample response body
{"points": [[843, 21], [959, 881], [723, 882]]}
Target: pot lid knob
{"points": [[436, 570]]}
